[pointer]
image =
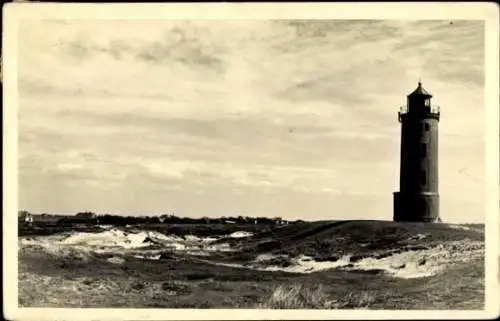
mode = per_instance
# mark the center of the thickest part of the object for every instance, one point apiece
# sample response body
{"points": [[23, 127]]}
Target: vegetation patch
{"points": [[54, 274]]}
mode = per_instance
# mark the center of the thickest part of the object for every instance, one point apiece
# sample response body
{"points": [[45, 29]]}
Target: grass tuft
{"points": [[299, 296]]}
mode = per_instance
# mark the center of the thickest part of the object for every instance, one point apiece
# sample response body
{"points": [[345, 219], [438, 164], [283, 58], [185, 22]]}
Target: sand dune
{"points": [[149, 245], [145, 265]]}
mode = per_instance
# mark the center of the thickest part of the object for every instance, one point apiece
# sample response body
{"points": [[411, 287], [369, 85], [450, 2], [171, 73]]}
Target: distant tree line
{"points": [[110, 219], [172, 219]]}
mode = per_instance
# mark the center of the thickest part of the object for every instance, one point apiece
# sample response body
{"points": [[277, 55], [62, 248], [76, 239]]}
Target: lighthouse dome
{"points": [[420, 91]]}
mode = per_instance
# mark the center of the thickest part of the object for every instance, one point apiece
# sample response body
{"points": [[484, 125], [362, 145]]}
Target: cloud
{"points": [[178, 47], [264, 116]]}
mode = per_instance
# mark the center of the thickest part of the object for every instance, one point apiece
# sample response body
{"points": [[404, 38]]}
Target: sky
{"points": [[289, 118]]}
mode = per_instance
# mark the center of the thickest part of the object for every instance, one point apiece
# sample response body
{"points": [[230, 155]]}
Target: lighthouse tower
{"points": [[418, 197]]}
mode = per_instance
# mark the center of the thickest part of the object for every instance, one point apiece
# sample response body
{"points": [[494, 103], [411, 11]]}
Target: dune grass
{"points": [[299, 296], [69, 278]]}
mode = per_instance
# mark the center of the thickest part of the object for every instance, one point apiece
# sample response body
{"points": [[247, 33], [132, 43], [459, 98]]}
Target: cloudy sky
{"points": [[261, 118]]}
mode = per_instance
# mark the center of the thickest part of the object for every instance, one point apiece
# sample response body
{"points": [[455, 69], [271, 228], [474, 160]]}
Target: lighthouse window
{"points": [[424, 149], [427, 103], [424, 177], [426, 126]]}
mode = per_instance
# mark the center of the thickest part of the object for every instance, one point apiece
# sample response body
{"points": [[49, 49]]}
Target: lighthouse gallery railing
{"points": [[433, 109]]}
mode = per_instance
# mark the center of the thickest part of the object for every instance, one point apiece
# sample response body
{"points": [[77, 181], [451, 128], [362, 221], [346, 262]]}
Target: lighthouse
{"points": [[418, 196]]}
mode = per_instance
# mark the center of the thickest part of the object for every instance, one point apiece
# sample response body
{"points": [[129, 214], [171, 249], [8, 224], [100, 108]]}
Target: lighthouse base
{"points": [[416, 207]]}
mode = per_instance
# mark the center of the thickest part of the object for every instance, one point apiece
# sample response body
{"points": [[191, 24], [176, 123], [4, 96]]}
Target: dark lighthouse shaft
{"points": [[418, 196]]}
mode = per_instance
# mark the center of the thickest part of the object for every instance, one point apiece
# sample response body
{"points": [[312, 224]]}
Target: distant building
{"points": [[25, 217], [280, 221]]}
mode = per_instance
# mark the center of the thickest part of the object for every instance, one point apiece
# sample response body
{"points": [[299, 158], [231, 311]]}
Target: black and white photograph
{"points": [[224, 162]]}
